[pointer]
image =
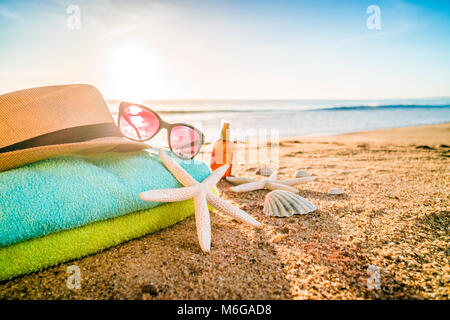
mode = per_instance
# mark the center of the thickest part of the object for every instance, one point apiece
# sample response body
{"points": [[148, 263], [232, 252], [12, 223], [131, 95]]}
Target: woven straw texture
{"points": [[30, 113]]}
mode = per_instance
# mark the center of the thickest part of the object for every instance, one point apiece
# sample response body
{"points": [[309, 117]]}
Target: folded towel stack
{"points": [[67, 207]]}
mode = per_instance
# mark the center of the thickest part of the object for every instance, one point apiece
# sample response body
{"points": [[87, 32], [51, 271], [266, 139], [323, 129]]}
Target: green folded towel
{"points": [[39, 253], [66, 192]]}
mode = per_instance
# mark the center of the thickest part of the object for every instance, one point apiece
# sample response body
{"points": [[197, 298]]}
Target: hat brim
{"points": [[14, 159]]}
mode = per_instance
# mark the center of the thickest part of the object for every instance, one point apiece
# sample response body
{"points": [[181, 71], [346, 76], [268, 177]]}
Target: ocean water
{"points": [[288, 118]]}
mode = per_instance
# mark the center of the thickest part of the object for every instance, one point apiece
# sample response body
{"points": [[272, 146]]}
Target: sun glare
{"points": [[134, 71]]}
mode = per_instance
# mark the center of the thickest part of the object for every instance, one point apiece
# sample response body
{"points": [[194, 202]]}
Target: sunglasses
{"points": [[140, 123]]}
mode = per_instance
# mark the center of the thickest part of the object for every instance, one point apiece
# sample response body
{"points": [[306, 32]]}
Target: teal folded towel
{"points": [[71, 191]]}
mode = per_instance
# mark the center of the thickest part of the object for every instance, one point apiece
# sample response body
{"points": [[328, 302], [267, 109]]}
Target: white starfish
{"points": [[271, 183], [201, 192]]}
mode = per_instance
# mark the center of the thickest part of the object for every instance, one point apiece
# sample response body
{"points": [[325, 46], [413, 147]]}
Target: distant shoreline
{"points": [[298, 118], [434, 129], [434, 134], [225, 106]]}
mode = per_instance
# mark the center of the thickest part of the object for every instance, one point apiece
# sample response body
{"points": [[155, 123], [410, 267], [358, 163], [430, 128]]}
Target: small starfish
{"points": [[201, 192], [271, 183]]}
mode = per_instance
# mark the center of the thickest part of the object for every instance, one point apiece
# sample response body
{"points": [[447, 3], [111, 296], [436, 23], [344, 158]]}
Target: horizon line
{"points": [[279, 99]]}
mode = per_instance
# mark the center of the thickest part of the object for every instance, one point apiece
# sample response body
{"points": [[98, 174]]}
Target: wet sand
{"points": [[394, 215]]}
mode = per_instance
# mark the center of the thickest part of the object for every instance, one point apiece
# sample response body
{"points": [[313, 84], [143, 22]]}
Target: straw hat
{"points": [[39, 123]]}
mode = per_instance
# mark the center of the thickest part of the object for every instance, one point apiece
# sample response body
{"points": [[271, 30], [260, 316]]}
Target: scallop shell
{"points": [[301, 174], [280, 203], [335, 191], [264, 171]]}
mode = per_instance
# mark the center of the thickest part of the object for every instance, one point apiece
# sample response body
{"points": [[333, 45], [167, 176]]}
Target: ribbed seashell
{"points": [[264, 171], [335, 191], [301, 174], [280, 203]]}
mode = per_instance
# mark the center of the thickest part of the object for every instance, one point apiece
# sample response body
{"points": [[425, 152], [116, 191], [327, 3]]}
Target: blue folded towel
{"points": [[70, 191]]}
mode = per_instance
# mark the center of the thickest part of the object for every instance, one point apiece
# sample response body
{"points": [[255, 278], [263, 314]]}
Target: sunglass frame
{"points": [[162, 125]]}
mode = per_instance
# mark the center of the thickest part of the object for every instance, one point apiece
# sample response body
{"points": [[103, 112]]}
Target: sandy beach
{"points": [[394, 215]]}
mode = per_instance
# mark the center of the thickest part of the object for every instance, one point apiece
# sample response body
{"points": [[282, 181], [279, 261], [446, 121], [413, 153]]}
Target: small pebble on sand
{"points": [[301, 174], [264, 171], [335, 191], [150, 288]]}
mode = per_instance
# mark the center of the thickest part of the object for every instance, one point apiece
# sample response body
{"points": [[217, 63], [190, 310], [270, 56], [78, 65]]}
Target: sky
{"points": [[134, 50]]}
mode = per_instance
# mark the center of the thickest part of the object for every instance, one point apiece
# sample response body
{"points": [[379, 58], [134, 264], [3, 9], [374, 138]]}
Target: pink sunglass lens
{"points": [[138, 123], [185, 142]]}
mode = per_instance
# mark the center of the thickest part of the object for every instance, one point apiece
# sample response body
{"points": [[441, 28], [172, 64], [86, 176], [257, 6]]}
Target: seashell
{"points": [[301, 174], [264, 171], [335, 191], [280, 203]]}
